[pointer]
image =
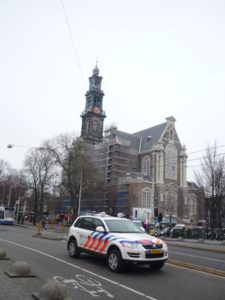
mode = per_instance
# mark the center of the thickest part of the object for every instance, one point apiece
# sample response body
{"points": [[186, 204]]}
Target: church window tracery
{"points": [[171, 162]]}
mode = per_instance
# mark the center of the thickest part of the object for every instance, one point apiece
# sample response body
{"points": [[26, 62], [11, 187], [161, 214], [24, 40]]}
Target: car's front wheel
{"points": [[156, 265], [73, 249], [115, 262]]}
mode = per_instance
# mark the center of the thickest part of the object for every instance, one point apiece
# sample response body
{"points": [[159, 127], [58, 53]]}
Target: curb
{"points": [[196, 267], [197, 245], [54, 238]]}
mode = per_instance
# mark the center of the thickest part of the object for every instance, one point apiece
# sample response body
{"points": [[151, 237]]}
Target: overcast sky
{"points": [[158, 58]]}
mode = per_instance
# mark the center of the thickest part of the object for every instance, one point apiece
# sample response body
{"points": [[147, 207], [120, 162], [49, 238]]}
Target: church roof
{"points": [[134, 140], [143, 140], [150, 136]]}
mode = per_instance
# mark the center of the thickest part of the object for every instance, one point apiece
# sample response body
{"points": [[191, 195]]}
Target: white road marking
{"points": [[82, 269]]}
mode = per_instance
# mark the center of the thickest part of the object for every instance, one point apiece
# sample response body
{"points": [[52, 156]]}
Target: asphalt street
{"points": [[105, 286]]}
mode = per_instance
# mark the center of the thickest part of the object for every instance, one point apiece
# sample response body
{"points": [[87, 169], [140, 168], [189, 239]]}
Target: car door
{"points": [[86, 227]]}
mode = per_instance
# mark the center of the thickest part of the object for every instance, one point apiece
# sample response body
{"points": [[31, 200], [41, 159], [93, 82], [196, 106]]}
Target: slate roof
{"points": [[134, 140], [144, 139], [148, 137]]}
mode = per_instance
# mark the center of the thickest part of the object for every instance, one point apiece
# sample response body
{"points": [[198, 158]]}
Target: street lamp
{"points": [[153, 177]]}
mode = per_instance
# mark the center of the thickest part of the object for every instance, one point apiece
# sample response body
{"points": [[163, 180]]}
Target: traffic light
{"points": [[160, 217], [156, 212]]}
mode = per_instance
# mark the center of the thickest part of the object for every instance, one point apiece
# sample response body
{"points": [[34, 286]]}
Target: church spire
{"points": [[96, 70], [93, 115]]}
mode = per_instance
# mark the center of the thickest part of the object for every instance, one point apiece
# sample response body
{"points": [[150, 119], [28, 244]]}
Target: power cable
{"points": [[213, 147], [200, 158], [73, 43]]}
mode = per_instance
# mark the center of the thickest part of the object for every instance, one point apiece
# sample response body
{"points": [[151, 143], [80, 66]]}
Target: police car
{"points": [[117, 239]]}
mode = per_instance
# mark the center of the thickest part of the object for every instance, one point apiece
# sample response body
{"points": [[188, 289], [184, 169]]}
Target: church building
{"points": [[144, 171]]}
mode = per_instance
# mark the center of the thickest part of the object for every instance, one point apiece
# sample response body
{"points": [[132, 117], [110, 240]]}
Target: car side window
{"points": [[86, 223], [78, 223], [97, 222]]}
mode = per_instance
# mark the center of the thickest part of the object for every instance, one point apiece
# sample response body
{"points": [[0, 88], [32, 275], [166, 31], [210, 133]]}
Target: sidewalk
{"points": [[53, 232]]}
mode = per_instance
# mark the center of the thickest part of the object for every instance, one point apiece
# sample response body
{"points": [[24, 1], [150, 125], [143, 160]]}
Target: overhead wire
{"points": [[73, 43], [213, 147]]}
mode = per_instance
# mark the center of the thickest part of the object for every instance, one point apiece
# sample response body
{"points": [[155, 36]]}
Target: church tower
{"points": [[93, 115]]}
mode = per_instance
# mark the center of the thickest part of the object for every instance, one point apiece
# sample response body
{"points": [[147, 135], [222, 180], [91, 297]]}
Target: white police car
{"points": [[118, 239]]}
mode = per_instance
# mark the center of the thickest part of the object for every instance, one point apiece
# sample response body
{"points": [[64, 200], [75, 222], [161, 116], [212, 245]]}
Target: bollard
{"points": [[3, 255], [19, 269], [52, 290], [39, 228], [63, 227]]}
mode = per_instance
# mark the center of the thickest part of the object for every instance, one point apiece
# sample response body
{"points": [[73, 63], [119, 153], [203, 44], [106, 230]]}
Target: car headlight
{"points": [[131, 245], [165, 246]]}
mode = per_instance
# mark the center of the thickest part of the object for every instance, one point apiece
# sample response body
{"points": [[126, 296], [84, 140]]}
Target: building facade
{"points": [[145, 171]]}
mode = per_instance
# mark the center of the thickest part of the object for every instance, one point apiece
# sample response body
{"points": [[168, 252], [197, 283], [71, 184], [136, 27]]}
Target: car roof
{"points": [[104, 217]]}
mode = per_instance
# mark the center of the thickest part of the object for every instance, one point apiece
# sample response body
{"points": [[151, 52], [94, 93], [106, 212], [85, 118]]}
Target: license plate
{"points": [[156, 251]]}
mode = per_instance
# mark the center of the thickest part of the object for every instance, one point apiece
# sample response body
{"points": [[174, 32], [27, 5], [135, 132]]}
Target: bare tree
{"points": [[211, 180], [38, 173], [74, 158], [10, 189]]}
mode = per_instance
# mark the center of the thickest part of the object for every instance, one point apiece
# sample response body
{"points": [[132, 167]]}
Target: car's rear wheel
{"points": [[156, 265], [73, 249], [115, 262]]}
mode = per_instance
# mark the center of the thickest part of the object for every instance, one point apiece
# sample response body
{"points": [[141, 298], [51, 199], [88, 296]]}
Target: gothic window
{"points": [[146, 166], [147, 201], [171, 203], [171, 162]]}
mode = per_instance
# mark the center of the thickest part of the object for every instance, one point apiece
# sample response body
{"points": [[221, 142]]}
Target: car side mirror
{"points": [[100, 229]]}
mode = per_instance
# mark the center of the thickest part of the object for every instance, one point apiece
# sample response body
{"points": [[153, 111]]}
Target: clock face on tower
{"points": [[96, 109]]}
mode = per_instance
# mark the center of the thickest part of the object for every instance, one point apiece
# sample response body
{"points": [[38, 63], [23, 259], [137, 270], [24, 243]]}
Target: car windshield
{"points": [[178, 227], [122, 226]]}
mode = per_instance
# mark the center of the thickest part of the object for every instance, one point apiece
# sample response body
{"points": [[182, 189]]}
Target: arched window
{"points": [[171, 203], [171, 162], [146, 169], [147, 201], [191, 206]]}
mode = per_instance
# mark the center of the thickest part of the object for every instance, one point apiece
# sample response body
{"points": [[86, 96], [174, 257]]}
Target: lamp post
{"points": [[153, 177], [170, 211], [79, 199]]}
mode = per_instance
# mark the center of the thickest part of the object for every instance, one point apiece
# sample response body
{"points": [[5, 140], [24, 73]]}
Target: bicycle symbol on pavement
{"points": [[85, 284]]}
